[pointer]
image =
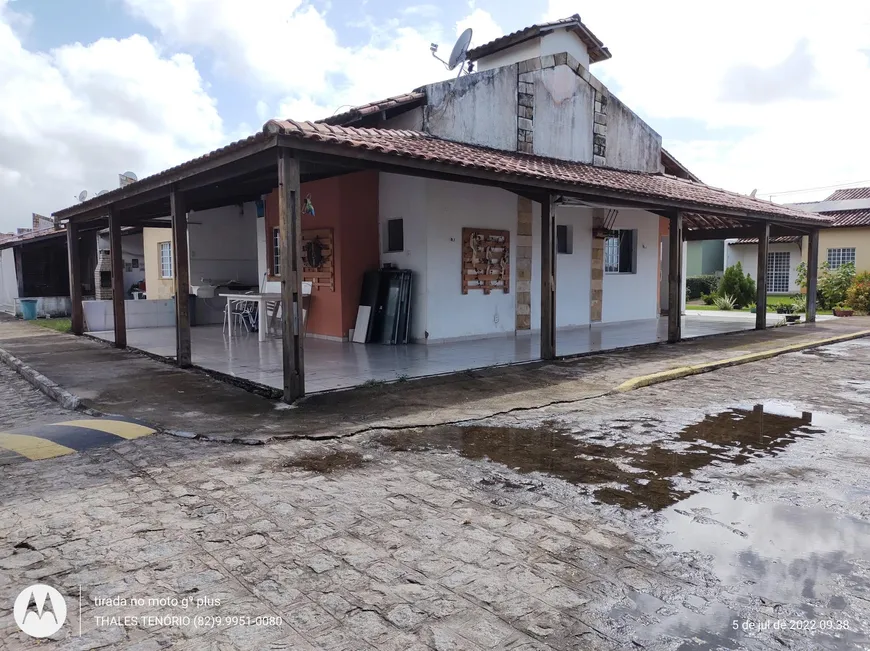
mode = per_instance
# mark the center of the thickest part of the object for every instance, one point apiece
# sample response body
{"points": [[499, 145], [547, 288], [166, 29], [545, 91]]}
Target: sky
{"points": [[771, 95]]}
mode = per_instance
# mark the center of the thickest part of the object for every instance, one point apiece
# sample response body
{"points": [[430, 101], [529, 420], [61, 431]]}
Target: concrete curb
{"points": [[60, 395], [686, 371]]}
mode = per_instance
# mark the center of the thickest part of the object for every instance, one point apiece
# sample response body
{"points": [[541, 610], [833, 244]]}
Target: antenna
{"points": [[457, 55], [83, 195]]}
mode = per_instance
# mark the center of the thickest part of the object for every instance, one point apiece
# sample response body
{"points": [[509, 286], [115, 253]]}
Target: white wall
{"points": [[8, 281], [524, 51], [747, 255], [223, 245], [573, 270], [480, 108], [631, 143], [404, 197], [630, 297], [562, 40], [555, 42], [450, 313], [564, 109]]}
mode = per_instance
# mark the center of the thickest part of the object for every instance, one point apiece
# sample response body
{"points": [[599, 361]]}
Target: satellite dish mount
{"points": [[458, 56]]}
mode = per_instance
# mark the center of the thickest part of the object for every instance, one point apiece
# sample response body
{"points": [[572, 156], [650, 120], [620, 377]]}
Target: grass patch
{"points": [[61, 325], [772, 301]]}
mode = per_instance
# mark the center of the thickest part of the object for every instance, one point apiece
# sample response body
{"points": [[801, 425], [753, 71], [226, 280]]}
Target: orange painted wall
{"points": [[349, 205]]}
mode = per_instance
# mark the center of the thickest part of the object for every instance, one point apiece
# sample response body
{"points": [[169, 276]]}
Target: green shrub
{"points": [[697, 286], [858, 294], [708, 299], [784, 308], [834, 284], [799, 303], [738, 286], [724, 302]]}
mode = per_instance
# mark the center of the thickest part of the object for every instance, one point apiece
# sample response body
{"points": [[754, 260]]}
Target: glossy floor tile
{"points": [[334, 365]]}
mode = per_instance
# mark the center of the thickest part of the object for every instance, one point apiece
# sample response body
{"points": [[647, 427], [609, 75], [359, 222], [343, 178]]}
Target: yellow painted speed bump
{"points": [[57, 439], [33, 447], [685, 371], [122, 428]]}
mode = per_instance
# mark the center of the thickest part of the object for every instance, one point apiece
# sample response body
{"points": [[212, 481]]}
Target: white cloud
{"points": [[74, 117], [483, 25], [678, 59], [292, 57]]}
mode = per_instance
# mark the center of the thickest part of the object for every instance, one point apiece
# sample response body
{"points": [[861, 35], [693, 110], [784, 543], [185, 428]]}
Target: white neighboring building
{"points": [[783, 257]]}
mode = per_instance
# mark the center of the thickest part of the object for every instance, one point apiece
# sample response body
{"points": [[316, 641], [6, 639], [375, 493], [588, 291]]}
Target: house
{"points": [[34, 264], [847, 239], [524, 186]]}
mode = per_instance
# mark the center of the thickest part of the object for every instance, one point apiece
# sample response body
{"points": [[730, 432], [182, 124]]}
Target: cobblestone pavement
{"points": [[689, 519]]}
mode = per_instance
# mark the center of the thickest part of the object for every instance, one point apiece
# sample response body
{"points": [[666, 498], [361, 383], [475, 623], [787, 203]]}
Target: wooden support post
{"points": [[290, 233], [548, 277], [75, 278], [761, 277], [675, 278], [181, 271], [118, 291], [812, 274]]}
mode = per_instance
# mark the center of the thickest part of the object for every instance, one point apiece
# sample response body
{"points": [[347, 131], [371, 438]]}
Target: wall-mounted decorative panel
{"points": [[318, 252], [486, 260]]}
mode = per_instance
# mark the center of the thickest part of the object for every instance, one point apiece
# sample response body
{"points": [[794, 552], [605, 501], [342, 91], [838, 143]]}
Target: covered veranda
{"points": [[287, 153]]}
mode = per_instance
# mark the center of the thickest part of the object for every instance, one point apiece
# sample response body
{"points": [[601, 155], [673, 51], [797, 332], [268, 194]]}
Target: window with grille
{"points": [[276, 251], [778, 265], [166, 259], [839, 257], [620, 252]]}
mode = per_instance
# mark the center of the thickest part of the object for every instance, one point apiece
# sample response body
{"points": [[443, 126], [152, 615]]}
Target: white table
{"points": [[261, 300]]}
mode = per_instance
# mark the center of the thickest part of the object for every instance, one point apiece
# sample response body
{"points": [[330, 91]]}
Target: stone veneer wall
{"points": [[523, 248], [596, 293], [526, 102]]}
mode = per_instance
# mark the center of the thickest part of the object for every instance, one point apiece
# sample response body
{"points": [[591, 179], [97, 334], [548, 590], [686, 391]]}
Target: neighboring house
{"points": [[783, 258], [847, 240], [35, 264]]}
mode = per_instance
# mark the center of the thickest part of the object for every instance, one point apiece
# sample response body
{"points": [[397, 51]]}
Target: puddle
{"points": [[332, 461], [637, 475], [794, 564]]}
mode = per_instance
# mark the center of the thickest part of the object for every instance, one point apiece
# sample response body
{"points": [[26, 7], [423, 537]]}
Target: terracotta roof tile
{"points": [[359, 112], [849, 193], [781, 239], [594, 45], [846, 218], [421, 146]]}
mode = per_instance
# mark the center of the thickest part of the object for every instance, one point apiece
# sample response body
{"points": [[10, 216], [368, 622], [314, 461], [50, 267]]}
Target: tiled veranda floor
{"points": [[334, 365]]}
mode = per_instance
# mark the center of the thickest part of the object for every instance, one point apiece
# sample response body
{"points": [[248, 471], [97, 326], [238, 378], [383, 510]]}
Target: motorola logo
{"points": [[40, 610]]}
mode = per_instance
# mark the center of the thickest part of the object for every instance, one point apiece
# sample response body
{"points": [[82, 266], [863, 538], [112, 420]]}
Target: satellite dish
{"points": [[131, 175], [83, 195], [752, 194], [101, 193], [457, 56]]}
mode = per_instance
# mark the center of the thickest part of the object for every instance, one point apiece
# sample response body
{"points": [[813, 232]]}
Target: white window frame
{"points": [[276, 251], [837, 257], [778, 272], [165, 259]]}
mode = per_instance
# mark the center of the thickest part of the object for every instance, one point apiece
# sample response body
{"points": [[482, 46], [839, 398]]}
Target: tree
{"points": [[738, 286]]}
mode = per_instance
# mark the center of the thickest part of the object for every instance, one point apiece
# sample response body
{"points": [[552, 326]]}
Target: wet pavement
{"points": [[724, 511]]}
